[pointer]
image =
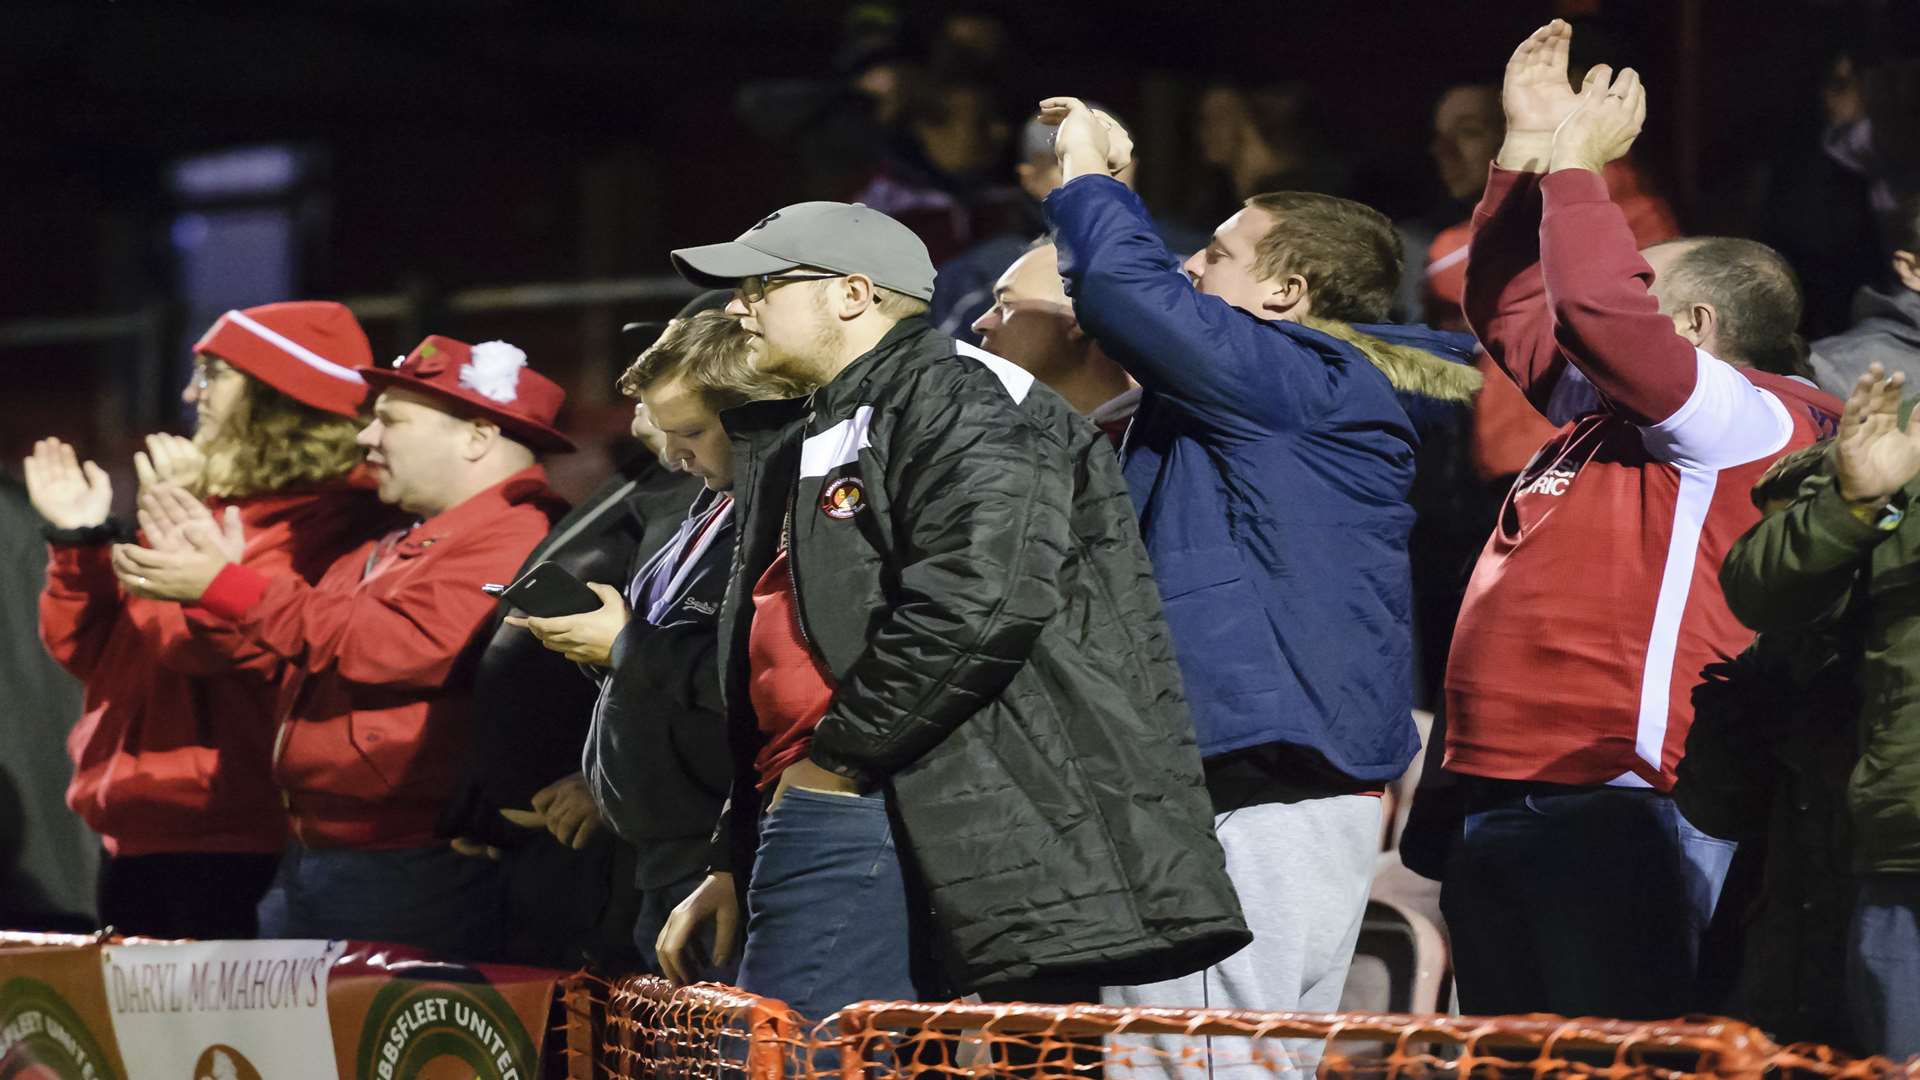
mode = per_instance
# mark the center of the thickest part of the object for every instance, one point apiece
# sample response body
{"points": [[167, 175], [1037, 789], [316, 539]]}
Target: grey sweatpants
{"points": [[1303, 871]]}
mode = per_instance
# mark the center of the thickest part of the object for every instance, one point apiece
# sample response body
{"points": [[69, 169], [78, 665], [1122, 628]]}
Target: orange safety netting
{"points": [[711, 1032]]}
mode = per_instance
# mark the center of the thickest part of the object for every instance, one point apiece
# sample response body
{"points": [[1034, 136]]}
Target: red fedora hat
{"points": [[490, 379]]}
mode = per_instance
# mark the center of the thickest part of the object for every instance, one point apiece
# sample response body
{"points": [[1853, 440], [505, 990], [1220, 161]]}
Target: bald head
{"points": [[1737, 299]]}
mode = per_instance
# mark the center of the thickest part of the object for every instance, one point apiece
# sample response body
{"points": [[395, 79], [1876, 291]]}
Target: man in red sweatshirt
{"points": [[171, 749], [1576, 886], [373, 715]]}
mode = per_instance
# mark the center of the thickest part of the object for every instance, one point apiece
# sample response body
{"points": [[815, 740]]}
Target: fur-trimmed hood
{"points": [[1417, 360]]}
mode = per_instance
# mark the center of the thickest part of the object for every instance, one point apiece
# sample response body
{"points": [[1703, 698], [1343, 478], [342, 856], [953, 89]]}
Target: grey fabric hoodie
{"points": [[1886, 327]]}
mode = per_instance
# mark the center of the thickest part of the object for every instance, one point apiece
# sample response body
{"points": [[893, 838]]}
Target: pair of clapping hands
{"points": [[185, 547]]}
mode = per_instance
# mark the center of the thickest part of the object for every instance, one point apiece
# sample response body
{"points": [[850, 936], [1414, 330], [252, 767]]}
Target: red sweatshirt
{"points": [[171, 751], [1597, 600], [373, 713]]}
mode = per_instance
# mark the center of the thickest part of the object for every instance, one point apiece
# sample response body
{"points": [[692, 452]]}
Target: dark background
{"points": [[486, 142]]}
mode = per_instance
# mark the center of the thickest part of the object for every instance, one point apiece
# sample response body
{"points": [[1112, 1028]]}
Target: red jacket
{"points": [[171, 751], [374, 709], [1597, 599]]}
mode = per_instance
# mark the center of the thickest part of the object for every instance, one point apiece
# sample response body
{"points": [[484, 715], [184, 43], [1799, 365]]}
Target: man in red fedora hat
{"points": [[373, 718], [172, 744]]}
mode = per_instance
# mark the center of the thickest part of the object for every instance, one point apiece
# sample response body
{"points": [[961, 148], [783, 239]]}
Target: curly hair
{"points": [[275, 443]]}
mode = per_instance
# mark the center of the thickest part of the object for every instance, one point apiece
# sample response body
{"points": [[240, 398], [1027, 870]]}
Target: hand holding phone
{"points": [[547, 591]]}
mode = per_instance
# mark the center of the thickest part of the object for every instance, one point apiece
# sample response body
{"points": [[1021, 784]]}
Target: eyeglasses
{"points": [[205, 372], [754, 289]]}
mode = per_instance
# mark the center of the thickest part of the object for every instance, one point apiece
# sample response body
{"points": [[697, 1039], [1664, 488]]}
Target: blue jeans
{"points": [[451, 905], [1583, 901], [827, 921], [1883, 968]]}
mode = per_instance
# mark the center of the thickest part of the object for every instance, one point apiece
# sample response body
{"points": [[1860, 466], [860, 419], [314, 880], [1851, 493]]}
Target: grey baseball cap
{"points": [[847, 238]]}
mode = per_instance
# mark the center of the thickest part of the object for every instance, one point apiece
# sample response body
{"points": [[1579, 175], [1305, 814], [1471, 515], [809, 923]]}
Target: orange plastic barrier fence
{"points": [[709, 1031]]}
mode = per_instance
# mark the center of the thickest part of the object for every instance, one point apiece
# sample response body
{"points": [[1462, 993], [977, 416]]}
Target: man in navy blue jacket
{"points": [[1270, 462]]}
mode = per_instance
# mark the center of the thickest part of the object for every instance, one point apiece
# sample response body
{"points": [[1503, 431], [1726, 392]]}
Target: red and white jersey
{"points": [[1597, 599]]}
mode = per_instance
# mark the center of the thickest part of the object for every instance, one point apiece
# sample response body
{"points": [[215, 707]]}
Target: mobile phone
{"points": [[548, 591], [493, 588]]}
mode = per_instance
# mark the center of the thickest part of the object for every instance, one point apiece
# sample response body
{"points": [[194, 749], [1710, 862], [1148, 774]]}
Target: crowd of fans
{"points": [[1050, 625]]}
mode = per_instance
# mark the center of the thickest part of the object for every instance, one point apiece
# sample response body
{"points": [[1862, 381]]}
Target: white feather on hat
{"points": [[494, 371]]}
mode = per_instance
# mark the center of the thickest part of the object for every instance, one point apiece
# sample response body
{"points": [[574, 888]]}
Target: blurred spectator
{"points": [[173, 744], [1262, 138], [1269, 461], [1575, 885], [1849, 540], [1886, 322], [944, 176], [1032, 324], [376, 715], [1766, 765]]}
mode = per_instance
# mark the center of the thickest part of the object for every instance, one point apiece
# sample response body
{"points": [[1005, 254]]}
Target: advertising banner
{"points": [[222, 1010], [54, 1022]]}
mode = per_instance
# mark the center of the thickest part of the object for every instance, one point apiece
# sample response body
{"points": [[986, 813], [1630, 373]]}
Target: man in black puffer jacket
{"points": [[942, 633]]}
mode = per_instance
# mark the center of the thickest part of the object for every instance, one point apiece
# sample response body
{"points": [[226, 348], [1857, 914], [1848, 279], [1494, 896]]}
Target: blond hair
{"points": [[710, 351], [275, 443]]}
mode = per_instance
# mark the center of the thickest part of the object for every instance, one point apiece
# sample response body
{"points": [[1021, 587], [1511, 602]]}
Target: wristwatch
{"points": [[1886, 516]]}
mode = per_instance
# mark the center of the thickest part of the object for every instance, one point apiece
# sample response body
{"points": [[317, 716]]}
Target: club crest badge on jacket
{"points": [[843, 498]]}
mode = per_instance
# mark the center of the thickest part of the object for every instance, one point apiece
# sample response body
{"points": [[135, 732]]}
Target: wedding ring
{"points": [[140, 581]]}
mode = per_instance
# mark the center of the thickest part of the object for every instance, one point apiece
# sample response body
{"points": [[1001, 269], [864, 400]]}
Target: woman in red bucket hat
{"points": [[171, 751]]}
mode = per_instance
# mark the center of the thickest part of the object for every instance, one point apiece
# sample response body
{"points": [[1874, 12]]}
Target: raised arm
{"points": [[1505, 299], [1226, 368]]}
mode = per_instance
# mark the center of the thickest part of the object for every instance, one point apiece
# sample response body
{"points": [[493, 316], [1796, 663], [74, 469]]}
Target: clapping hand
{"points": [[187, 547], [1873, 456], [69, 494], [1089, 141], [169, 459], [1612, 110], [1537, 97]]}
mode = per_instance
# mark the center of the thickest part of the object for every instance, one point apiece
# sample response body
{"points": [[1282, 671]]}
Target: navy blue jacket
{"points": [[1270, 466]]}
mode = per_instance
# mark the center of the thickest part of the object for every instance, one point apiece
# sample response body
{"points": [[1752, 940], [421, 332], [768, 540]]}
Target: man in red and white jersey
{"points": [[1575, 886]]}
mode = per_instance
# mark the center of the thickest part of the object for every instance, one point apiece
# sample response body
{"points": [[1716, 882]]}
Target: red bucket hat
{"points": [[491, 379], [309, 350]]}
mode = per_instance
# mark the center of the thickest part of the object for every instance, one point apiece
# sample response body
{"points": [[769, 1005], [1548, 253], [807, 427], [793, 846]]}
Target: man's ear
{"points": [[1906, 269], [1699, 324], [481, 435], [853, 295], [1288, 298]]}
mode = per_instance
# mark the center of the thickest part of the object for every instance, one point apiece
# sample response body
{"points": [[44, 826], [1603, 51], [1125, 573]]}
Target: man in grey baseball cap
{"points": [[940, 607], [846, 238]]}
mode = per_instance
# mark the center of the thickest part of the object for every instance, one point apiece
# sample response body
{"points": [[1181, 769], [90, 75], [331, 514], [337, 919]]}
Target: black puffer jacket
{"points": [[970, 571]]}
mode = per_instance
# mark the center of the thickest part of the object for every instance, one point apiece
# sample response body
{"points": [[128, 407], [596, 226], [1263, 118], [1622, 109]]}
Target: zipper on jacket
{"points": [[793, 572]]}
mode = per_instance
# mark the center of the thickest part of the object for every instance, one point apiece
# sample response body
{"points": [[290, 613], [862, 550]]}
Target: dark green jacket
{"points": [[1766, 765], [970, 572], [1793, 570]]}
